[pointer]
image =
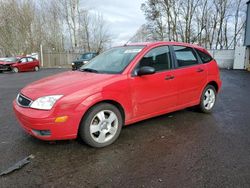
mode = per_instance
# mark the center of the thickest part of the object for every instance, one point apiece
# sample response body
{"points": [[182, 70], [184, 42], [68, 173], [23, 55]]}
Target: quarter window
{"points": [[159, 58], [204, 57], [185, 56]]}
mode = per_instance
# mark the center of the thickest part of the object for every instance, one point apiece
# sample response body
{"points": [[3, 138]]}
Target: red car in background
{"points": [[19, 64], [119, 87]]}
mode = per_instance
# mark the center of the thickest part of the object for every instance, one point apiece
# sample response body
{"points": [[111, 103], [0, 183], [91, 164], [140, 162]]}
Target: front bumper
{"points": [[36, 122], [76, 66], [5, 68]]}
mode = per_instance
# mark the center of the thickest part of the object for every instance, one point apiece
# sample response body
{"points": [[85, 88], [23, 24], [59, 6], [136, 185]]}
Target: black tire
{"points": [[202, 107], [89, 117]]}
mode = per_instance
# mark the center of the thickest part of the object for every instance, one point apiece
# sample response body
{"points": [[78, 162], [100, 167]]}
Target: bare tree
{"points": [[211, 23]]}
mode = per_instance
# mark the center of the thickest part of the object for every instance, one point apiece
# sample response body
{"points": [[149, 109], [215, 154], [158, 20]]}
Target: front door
{"points": [[155, 93], [22, 66]]}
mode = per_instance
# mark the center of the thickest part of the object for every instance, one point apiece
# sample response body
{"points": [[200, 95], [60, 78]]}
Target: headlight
{"points": [[84, 62], [46, 102], [73, 63]]}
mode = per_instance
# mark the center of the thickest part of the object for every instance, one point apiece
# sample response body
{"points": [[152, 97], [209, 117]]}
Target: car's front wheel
{"points": [[208, 99], [101, 125], [15, 69]]}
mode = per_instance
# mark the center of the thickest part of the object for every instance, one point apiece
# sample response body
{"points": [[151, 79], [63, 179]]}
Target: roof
{"points": [[149, 44]]}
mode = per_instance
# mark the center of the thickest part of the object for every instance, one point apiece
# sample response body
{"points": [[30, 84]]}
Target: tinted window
{"points": [[87, 56], [185, 56], [204, 57], [159, 58]]}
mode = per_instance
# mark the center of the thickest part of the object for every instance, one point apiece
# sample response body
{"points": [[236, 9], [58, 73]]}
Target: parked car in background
{"points": [[19, 64], [83, 59], [119, 87], [6, 63]]}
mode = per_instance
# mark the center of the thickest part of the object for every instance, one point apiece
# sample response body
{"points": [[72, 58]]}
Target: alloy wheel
{"points": [[209, 99], [104, 126]]}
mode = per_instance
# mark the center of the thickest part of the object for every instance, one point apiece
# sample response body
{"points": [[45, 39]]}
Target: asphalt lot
{"points": [[181, 149]]}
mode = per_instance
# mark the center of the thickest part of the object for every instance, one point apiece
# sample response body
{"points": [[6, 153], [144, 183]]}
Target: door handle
{"points": [[169, 77], [199, 70]]}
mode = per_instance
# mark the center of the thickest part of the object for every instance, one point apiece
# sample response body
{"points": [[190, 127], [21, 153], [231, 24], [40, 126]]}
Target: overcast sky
{"points": [[123, 17]]}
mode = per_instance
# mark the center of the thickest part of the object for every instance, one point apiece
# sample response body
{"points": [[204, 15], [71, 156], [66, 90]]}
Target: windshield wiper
{"points": [[88, 70]]}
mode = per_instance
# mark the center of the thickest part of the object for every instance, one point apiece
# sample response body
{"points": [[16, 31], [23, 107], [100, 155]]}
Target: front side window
{"points": [[185, 56], [113, 61], [158, 58]]}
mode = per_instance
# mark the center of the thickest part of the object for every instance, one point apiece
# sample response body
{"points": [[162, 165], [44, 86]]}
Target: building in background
{"points": [[247, 36]]}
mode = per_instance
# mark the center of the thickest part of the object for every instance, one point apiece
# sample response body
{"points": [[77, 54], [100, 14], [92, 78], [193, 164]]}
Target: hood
{"points": [[80, 60], [66, 83], [6, 63]]}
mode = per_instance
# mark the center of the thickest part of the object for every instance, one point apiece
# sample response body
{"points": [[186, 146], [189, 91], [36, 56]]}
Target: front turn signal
{"points": [[61, 119]]}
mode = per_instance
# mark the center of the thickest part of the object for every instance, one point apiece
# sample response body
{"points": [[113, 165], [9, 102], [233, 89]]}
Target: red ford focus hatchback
{"points": [[119, 87]]}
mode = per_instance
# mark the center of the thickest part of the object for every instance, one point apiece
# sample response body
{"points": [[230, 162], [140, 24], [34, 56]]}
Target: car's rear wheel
{"points": [[101, 125], [36, 68], [208, 99], [15, 69]]}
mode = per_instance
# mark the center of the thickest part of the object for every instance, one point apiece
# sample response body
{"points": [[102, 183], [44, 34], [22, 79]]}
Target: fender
{"points": [[118, 97]]}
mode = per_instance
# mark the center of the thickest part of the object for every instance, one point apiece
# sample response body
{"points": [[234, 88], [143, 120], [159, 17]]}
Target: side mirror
{"points": [[145, 70]]}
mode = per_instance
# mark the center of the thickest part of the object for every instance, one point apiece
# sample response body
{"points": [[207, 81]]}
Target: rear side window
{"points": [[185, 56], [23, 60], [204, 57], [159, 58], [30, 59]]}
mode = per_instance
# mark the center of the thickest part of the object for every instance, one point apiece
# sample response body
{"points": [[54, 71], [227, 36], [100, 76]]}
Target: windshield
{"points": [[11, 59], [86, 56], [113, 61]]}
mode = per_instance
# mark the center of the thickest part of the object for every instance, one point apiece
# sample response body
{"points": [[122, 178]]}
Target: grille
{"points": [[23, 101]]}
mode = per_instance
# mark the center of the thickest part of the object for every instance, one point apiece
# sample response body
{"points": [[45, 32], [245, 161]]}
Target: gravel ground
{"points": [[181, 149]]}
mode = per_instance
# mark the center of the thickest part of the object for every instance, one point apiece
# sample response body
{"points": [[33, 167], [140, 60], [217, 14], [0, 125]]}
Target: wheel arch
{"points": [[215, 84], [109, 101], [112, 102]]}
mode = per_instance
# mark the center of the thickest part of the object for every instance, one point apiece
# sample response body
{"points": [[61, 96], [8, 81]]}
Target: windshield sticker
{"points": [[132, 51]]}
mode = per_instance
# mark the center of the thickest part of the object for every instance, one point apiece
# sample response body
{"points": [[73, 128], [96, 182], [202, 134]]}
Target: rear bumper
{"points": [[35, 121]]}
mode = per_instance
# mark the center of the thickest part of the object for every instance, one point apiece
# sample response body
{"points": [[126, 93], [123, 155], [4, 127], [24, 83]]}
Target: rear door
{"points": [[31, 63], [156, 93], [191, 75]]}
